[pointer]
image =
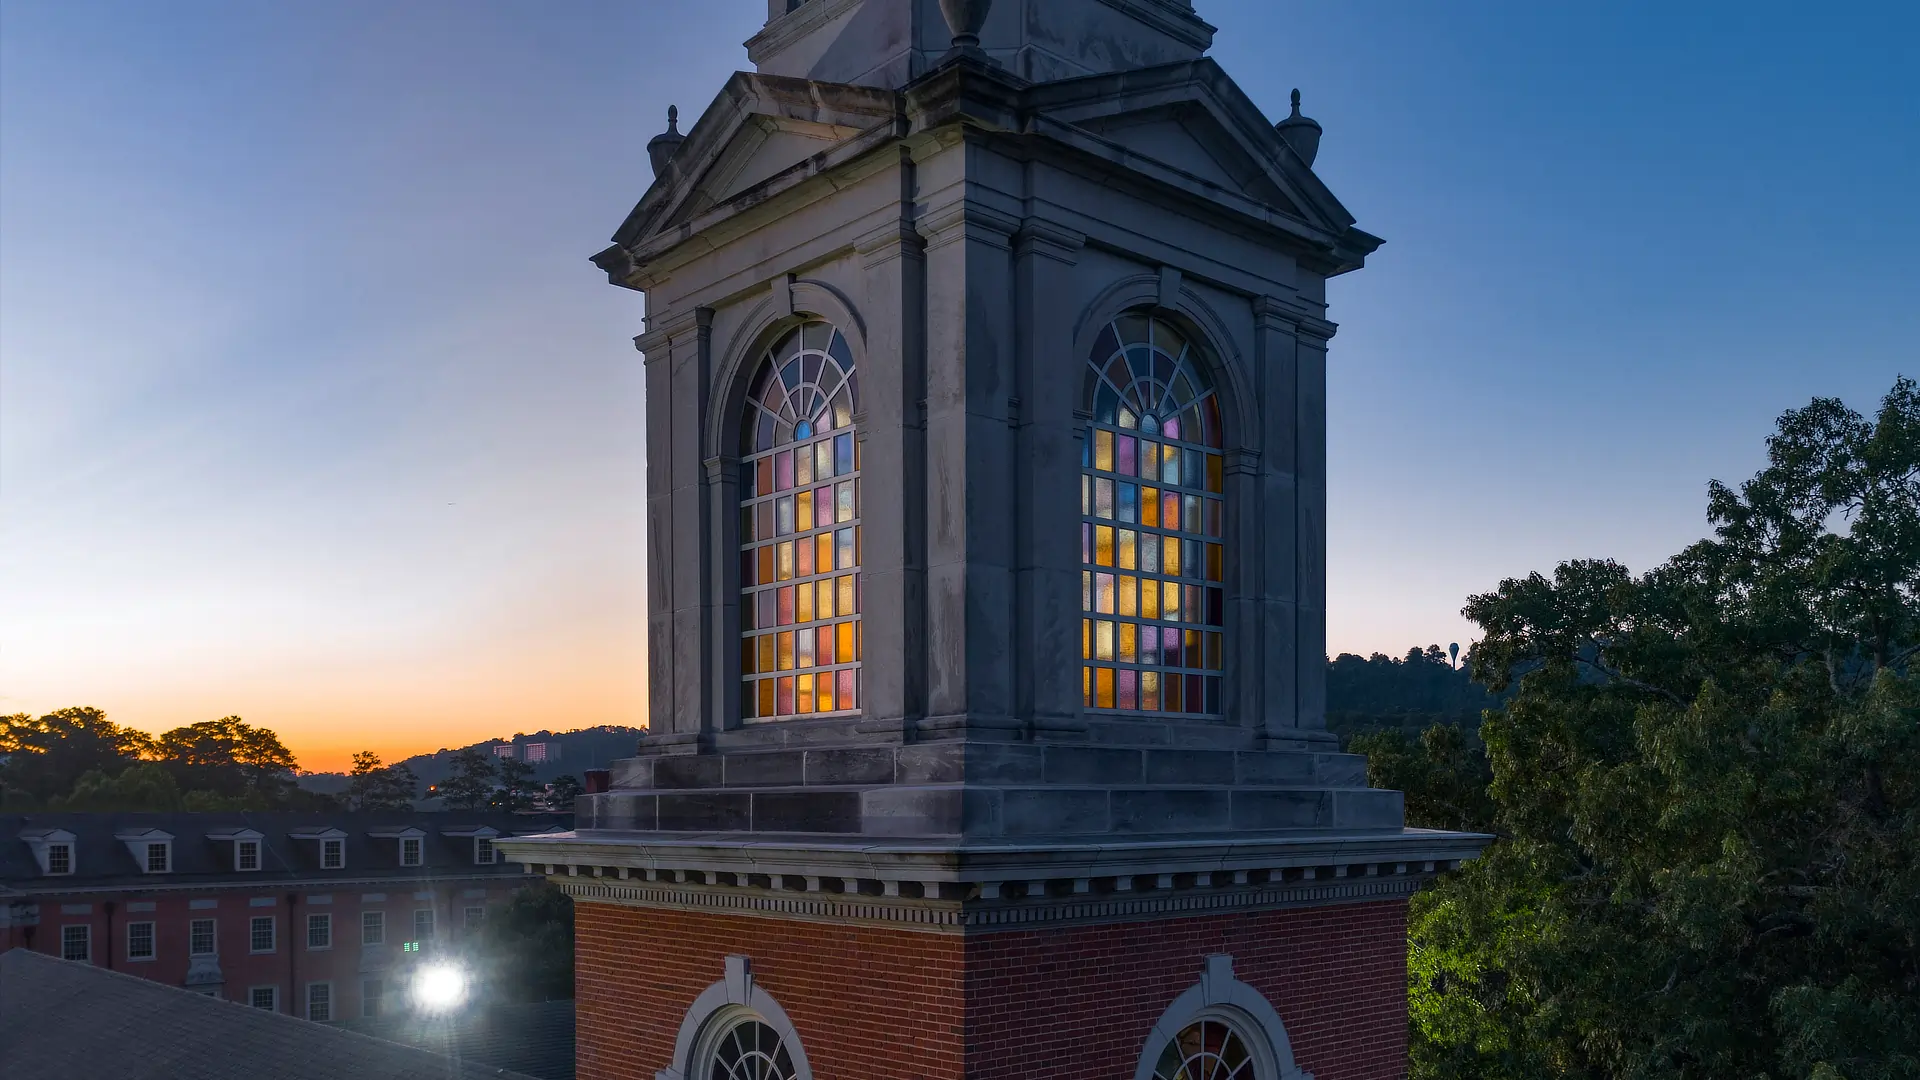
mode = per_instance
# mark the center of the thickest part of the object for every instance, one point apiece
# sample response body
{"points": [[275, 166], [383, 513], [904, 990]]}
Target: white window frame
{"points": [[253, 935], [65, 850], [417, 913], [213, 937], [240, 853], [165, 848], [85, 939], [471, 916], [370, 1003], [377, 920], [153, 941], [333, 854], [321, 921], [273, 998], [483, 853], [326, 993], [411, 851]]}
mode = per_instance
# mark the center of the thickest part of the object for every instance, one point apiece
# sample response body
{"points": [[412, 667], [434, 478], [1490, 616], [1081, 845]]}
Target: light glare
{"points": [[439, 987]]}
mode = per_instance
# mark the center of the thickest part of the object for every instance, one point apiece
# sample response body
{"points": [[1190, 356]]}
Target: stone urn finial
{"points": [[1300, 133], [965, 18], [661, 148]]}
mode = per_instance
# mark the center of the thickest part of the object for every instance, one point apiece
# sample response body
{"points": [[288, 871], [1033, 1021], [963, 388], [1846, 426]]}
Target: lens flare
{"points": [[439, 987]]}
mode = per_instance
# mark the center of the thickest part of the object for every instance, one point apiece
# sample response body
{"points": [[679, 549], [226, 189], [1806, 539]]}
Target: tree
{"points": [[527, 944], [145, 786], [471, 782], [229, 757], [372, 785], [1707, 788], [514, 792], [563, 791], [47, 755]]}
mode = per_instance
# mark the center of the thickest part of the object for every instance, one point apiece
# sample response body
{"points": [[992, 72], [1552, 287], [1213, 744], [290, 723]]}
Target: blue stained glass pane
{"points": [[790, 374], [803, 430], [842, 455], [1106, 403], [839, 351], [1129, 502]]}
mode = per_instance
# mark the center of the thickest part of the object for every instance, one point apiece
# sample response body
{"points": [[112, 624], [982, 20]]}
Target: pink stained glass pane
{"points": [[1129, 689], [1169, 511], [786, 696], [786, 605], [843, 693], [803, 558], [1086, 545], [823, 507], [763, 471], [823, 646], [783, 470], [763, 604], [1170, 646], [1126, 465]]}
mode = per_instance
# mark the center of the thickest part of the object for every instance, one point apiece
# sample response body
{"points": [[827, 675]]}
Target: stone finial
{"points": [[661, 148], [965, 18], [1300, 133]]}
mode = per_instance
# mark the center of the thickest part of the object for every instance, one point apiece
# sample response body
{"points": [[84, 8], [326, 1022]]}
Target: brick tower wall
{"points": [[1071, 1003]]}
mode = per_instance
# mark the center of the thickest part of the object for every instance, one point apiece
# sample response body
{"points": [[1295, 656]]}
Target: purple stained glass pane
{"points": [[783, 470], [1126, 465], [1129, 689]]}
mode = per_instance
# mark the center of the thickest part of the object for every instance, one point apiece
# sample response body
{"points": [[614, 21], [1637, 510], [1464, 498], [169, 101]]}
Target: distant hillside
{"points": [[1411, 693], [582, 749]]}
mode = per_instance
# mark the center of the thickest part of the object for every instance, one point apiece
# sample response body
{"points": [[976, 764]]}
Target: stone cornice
{"points": [[794, 25]]}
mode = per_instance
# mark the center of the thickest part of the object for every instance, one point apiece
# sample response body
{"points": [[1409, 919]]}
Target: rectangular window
{"points": [[76, 943], [409, 851], [200, 938], [371, 991], [472, 916], [264, 997], [333, 854], [482, 851], [423, 924], [260, 934], [139, 941], [159, 859], [373, 928], [59, 858], [247, 856], [320, 1001], [320, 931]]}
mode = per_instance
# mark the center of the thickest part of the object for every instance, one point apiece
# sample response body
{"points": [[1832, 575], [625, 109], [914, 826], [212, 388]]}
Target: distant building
{"points": [[504, 750], [316, 915], [540, 753]]}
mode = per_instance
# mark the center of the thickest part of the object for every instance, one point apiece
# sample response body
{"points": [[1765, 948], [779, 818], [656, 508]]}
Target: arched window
{"points": [[1152, 517], [800, 530], [744, 1049], [1206, 1050]]}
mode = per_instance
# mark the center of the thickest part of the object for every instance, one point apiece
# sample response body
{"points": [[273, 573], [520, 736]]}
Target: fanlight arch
{"points": [[1153, 517], [800, 542]]}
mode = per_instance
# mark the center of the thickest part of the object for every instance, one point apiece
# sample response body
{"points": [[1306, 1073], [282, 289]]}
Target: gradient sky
{"points": [[312, 410]]}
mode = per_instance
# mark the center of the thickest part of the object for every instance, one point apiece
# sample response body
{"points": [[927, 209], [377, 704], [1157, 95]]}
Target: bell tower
{"points": [[985, 359]]}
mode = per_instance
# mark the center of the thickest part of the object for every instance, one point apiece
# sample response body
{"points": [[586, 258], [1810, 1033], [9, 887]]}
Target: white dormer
{"points": [[412, 842], [483, 837], [152, 850], [247, 847], [332, 845], [53, 849]]}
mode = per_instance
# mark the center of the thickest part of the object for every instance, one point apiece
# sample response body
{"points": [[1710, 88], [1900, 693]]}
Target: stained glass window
{"points": [[1205, 1050], [800, 530], [751, 1050], [1152, 515]]}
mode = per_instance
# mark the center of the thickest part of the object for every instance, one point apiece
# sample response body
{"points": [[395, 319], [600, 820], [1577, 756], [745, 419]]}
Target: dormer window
{"points": [[59, 858], [246, 855], [410, 842], [159, 857], [409, 851], [333, 854], [52, 848], [482, 851], [152, 850], [330, 845], [482, 837]]}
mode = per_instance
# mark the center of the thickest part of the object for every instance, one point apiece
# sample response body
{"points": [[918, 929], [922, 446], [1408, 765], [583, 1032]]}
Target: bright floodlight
{"points": [[439, 987]]}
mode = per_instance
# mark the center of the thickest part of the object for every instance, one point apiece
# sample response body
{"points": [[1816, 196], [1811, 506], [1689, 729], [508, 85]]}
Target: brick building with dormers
{"points": [[307, 914], [986, 350]]}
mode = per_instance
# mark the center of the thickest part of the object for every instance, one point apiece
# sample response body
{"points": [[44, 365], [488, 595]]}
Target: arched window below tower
{"points": [[1152, 521]]}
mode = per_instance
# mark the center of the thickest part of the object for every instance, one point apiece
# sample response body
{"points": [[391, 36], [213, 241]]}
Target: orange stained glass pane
{"points": [[1103, 451], [1126, 559], [1150, 691], [843, 591], [859, 639], [843, 642], [1102, 640], [1150, 506], [1170, 601], [786, 696], [768, 662], [823, 598], [1086, 687], [783, 561], [1214, 483], [1149, 599], [803, 509], [1169, 510], [823, 645], [765, 574], [1086, 639], [1103, 688], [857, 548], [1194, 650], [786, 650], [857, 443], [1170, 464], [1170, 556], [803, 608], [748, 654], [1128, 589], [1129, 646], [1213, 562], [763, 481], [765, 694], [1103, 545], [804, 687], [803, 558], [823, 692], [823, 553]]}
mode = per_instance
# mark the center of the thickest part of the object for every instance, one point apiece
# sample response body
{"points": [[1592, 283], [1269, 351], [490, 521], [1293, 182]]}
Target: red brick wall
{"points": [[1077, 1002]]}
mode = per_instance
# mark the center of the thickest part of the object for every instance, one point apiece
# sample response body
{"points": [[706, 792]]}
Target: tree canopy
{"points": [[374, 785], [1706, 787]]}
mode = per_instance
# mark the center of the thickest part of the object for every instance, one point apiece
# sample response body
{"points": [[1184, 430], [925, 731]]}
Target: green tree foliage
{"points": [[515, 790], [470, 784], [229, 758], [1408, 694], [374, 785], [47, 755], [566, 788], [146, 786], [1707, 788], [526, 945]]}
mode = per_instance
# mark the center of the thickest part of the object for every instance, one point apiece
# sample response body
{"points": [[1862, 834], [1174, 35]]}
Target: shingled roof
{"points": [[60, 1020]]}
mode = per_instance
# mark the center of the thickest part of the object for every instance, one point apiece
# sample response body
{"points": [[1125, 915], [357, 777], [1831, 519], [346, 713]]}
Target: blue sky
{"points": [[312, 410]]}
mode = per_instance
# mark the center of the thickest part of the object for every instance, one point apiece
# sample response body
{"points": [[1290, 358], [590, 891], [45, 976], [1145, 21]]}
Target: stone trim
{"points": [[1220, 995], [982, 907], [735, 997]]}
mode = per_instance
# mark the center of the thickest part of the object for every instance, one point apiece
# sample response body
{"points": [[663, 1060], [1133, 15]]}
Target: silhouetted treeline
{"points": [[1410, 693]]}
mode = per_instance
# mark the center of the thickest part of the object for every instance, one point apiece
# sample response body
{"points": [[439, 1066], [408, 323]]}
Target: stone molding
{"points": [[735, 993], [993, 906], [1218, 992]]}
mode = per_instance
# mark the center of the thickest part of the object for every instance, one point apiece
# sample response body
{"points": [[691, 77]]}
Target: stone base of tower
{"points": [[1075, 1002]]}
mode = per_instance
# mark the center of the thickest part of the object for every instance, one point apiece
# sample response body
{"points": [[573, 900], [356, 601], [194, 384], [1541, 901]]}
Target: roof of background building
{"points": [[535, 1038], [60, 1020], [102, 860]]}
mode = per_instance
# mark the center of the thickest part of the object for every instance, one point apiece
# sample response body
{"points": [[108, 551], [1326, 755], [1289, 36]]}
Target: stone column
{"points": [[1049, 430], [722, 589], [678, 351], [891, 426], [970, 469], [1310, 360], [1269, 657]]}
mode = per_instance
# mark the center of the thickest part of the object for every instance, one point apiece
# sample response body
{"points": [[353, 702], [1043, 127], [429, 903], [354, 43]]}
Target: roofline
{"points": [[276, 885]]}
